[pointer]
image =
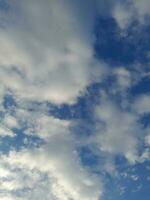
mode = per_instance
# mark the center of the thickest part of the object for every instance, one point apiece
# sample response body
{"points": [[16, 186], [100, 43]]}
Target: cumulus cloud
{"points": [[123, 78], [52, 170], [67, 177], [142, 104], [45, 60], [47, 54], [122, 15], [117, 130], [125, 12]]}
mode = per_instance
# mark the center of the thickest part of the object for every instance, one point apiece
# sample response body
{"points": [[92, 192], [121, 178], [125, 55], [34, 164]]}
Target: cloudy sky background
{"points": [[74, 100]]}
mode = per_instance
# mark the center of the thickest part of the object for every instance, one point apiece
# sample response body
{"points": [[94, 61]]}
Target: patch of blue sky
{"points": [[19, 141], [82, 109], [145, 120], [132, 182], [88, 158], [9, 102], [142, 87], [136, 182], [121, 49]]}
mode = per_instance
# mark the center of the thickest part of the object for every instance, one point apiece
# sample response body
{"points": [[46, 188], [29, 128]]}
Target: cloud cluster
{"points": [[126, 12], [47, 54], [47, 58], [56, 163], [117, 131]]}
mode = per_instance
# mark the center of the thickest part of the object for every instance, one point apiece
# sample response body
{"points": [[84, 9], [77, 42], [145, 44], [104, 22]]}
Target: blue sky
{"points": [[74, 100]]}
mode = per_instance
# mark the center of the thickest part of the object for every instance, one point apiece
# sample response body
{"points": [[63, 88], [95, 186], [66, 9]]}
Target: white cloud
{"points": [[4, 131], [134, 177], [122, 15], [142, 7], [128, 11], [40, 123], [8, 122], [67, 177], [4, 172], [52, 170], [117, 131], [47, 55], [123, 78], [142, 104]]}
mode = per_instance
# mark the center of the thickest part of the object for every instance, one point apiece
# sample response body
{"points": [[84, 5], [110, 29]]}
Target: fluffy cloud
{"points": [[58, 159], [47, 54], [142, 104], [41, 59], [52, 170], [123, 79], [8, 123], [128, 11], [122, 16], [117, 130]]}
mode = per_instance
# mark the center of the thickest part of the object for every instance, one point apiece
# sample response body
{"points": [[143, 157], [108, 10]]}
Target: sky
{"points": [[74, 100]]}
